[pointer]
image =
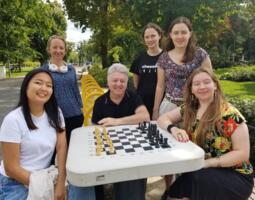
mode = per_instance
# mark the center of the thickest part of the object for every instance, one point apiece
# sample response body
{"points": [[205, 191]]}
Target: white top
{"points": [[36, 146]]}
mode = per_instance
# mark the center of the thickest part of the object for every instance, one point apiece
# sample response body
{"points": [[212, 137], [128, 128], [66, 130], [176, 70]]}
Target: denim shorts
{"points": [[81, 193], [11, 189]]}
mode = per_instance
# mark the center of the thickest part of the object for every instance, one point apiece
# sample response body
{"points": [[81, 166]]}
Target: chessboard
{"points": [[146, 137], [100, 155]]}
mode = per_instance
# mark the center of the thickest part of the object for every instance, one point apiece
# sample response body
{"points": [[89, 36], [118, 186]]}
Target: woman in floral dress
{"points": [[181, 57], [220, 129]]}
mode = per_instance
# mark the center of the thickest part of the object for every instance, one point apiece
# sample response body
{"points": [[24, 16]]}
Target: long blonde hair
{"points": [[211, 117]]}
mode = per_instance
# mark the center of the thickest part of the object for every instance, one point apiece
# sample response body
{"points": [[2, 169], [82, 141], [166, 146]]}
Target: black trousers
{"points": [[213, 184], [126, 190], [71, 124]]}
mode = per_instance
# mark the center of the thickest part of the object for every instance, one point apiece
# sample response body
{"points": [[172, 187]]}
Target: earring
{"points": [[215, 94], [192, 97], [194, 101]]}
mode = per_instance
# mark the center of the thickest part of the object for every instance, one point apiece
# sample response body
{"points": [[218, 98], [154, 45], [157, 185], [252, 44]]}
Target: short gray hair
{"points": [[117, 67]]}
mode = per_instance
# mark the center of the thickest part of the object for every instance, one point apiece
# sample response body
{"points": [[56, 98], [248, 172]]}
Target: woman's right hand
{"points": [[180, 134]]}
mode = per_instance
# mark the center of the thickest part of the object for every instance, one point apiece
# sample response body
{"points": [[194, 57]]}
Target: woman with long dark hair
{"points": [[29, 135]]}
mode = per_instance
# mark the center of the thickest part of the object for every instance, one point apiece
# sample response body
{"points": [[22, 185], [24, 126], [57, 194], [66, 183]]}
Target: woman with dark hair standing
{"points": [[144, 67], [220, 129], [65, 84], [29, 135], [175, 65]]}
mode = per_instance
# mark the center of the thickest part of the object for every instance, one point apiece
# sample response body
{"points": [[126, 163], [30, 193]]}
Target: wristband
{"points": [[169, 128]]}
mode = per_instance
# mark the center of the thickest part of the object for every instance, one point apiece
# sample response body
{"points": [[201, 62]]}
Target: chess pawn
{"points": [[98, 151], [111, 149]]}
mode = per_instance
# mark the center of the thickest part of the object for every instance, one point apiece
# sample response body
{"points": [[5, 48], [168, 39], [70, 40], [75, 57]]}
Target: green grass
{"points": [[243, 90]]}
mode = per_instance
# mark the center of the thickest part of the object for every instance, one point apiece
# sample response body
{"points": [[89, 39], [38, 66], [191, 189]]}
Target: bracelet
{"points": [[169, 127]]}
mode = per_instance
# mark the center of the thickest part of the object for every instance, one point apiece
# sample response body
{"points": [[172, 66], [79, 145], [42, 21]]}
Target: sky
{"points": [[74, 34]]}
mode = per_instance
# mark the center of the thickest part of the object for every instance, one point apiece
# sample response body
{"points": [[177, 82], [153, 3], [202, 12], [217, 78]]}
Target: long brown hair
{"points": [[211, 117], [192, 44]]}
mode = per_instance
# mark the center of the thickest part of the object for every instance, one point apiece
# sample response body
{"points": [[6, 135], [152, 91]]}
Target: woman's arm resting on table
{"points": [[171, 118]]}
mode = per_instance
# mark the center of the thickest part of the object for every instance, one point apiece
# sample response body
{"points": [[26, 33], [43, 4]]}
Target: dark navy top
{"points": [[66, 91], [105, 107]]}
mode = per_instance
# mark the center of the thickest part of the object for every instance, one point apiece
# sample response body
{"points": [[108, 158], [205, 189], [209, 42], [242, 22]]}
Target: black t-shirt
{"points": [[145, 67], [105, 107]]}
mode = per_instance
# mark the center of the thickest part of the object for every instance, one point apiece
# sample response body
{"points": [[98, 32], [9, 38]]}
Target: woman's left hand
{"points": [[180, 134], [60, 191]]}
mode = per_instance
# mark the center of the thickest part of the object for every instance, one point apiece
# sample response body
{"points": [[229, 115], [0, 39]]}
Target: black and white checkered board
{"points": [[130, 141]]}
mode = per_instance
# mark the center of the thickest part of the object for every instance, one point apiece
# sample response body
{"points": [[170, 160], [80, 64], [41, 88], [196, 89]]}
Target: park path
{"points": [[9, 95]]}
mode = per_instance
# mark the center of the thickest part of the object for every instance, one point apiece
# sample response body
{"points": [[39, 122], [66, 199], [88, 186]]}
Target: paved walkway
{"points": [[9, 96]]}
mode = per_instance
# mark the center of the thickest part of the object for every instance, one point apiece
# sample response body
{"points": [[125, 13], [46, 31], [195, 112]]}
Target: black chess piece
{"points": [[160, 139], [165, 143], [143, 129], [152, 142], [157, 143]]}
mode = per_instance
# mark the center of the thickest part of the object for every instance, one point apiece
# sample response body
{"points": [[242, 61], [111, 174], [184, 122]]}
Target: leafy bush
{"points": [[31, 64], [239, 74], [99, 74], [246, 107]]}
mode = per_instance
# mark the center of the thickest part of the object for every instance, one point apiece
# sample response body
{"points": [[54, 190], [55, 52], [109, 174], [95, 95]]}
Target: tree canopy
{"points": [[26, 26], [118, 23]]}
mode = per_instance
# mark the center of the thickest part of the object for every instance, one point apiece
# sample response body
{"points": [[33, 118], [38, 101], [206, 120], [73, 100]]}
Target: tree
{"points": [[212, 23], [14, 40], [26, 26], [46, 19], [100, 16]]}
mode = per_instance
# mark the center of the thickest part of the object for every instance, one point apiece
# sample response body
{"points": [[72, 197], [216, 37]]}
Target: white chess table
{"points": [[85, 168]]}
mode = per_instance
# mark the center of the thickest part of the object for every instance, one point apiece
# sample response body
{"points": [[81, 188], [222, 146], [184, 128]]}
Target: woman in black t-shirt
{"points": [[144, 67]]}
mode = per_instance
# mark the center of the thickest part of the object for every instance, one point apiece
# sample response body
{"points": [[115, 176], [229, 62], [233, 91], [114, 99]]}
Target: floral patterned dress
{"points": [[218, 143], [177, 74]]}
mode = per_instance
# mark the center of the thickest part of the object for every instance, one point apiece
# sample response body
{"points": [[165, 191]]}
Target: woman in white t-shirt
{"points": [[29, 135]]}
